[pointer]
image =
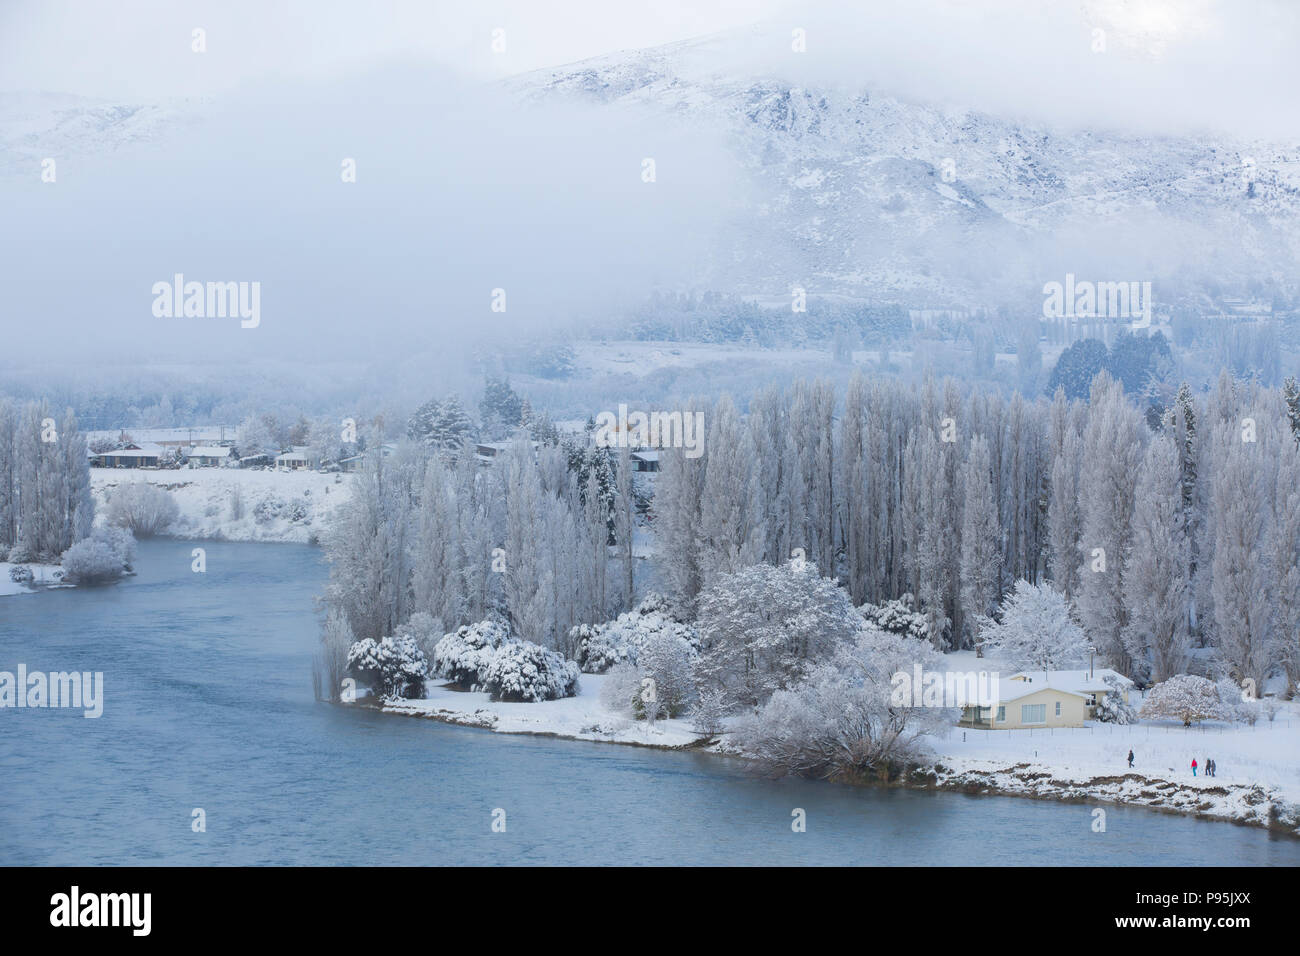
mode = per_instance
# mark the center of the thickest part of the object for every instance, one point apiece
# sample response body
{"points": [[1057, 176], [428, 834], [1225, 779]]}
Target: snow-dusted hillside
{"points": [[236, 504], [851, 194], [36, 125]]}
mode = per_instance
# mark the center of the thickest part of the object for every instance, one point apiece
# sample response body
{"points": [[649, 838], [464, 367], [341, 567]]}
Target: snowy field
{"points": [[292, 506]]}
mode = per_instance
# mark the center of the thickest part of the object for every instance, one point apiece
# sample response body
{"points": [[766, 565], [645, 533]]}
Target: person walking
{"points": [[1130, 759], [1193, 766]]}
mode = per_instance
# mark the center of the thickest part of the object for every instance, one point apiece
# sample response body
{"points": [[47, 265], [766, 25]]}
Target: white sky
{"points": [[1170, 65], [141, 48]]}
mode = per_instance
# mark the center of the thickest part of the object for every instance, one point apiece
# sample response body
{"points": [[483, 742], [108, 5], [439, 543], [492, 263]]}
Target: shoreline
{"points": [[1257, 805]]}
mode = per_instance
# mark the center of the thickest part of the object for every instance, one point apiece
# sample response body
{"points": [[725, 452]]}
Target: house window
{"points": [[1002, 715], [1033, 713], [1058, 708]]}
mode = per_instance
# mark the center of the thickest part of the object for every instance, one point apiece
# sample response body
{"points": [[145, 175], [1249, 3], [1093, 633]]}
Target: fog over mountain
{"points": [[925, 154]]}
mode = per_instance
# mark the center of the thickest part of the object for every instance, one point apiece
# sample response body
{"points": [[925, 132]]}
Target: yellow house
{"points": [[1026, 704]]}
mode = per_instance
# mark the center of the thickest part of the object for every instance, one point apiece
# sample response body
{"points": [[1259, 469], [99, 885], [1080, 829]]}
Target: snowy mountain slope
{"points": [[852, 195], [34, 126], [863, 193]]}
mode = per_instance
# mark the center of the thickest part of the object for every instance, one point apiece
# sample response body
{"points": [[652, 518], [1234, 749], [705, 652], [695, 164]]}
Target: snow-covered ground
{"points": [[42, 574], [276, 505], [1257, 768], [581, 717]]}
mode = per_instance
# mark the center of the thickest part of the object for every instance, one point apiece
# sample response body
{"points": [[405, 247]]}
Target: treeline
{"points": [[1164, 540], [713, 317], [45, 500], [539, 538]]}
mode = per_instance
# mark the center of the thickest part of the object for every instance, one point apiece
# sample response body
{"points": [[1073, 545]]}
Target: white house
{"points": [[208, 456], [1046, 699], [298, 459]]}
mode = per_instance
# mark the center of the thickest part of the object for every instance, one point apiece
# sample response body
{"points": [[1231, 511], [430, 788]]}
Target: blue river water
{"points": [[208, 705]]}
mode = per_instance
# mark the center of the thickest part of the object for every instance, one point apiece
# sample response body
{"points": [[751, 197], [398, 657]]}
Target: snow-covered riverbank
{"points": [[1259, 783], [233, 504], [43, 575]]}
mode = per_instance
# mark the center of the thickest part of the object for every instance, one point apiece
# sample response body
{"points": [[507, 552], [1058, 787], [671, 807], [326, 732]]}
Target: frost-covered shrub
{"points": [[143, 509], [267, 510], [1111, 707], [667, 660], [842, 718], [396, 667], [601, 646], [1186, 698], [522, 671], [463, 656], [21, 574], [708, 716], [102, 558], [296, 510], [898, 616], [621, 689]]}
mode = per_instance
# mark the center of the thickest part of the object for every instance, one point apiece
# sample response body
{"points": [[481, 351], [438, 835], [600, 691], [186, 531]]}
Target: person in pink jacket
{"points": [[1193, 766]]}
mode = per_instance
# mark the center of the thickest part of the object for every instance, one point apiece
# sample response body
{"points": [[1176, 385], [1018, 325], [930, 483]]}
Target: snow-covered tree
{"points": [[143, 508], [526, 672], [842, 719], [980, 546], [1240, 574], [602, 646], [463, 656], [1157, 586], [763, 627], [1037, 629], [99, 559], [394, 666], [330, 663], [441, 424], [730, 526], [1112, 454], [1183, 697]]}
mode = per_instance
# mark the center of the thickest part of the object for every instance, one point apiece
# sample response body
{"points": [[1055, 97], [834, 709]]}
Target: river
{"points": [[208, 705]]}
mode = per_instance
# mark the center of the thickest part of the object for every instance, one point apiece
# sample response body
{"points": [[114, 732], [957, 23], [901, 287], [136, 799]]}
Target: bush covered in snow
{"points": [[394, 666], [842, 718], [898, 616], [144, 509], [102, 558], [1186, 698], [601, 646], [463, 656], [661, 684], [21, 574], [621, 688], [1114, 709], [667, 660], [524, 672]]}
